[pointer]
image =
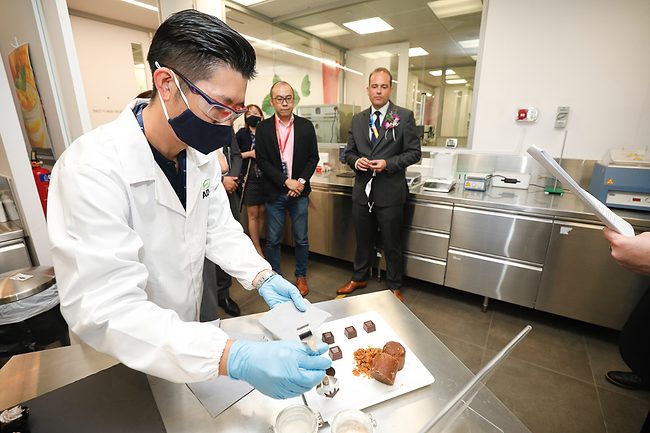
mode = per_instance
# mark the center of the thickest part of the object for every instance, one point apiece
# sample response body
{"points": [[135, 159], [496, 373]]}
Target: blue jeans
{"points": [[275, 214]]}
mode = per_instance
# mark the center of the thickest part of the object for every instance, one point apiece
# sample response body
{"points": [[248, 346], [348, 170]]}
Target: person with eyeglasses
{"points": [[137, 204], [287, 154]]}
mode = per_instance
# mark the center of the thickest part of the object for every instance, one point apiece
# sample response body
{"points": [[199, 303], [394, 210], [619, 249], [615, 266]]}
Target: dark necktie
{"points": [[376, 126]]}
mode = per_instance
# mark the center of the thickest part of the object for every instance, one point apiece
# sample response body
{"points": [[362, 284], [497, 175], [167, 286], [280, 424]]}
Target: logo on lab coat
{"points": [[206, 188]]}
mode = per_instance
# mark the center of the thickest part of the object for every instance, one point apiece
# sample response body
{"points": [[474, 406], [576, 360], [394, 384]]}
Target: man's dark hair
{"points": [[195, 44], [381, 70]]}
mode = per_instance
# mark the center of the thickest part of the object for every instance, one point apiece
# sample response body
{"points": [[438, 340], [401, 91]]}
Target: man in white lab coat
{"points": [[135, 205]]}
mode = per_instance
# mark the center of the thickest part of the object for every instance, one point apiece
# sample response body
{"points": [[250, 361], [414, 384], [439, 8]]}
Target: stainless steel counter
{"points": [[28, 375], [532, 201], [10, 230]]}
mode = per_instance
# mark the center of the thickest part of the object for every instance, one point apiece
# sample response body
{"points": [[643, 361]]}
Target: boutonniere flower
{"points": [[391, 122]]}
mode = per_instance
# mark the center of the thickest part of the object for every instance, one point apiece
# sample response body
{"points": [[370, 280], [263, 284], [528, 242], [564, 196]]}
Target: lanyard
{"points": [[286, 139]]}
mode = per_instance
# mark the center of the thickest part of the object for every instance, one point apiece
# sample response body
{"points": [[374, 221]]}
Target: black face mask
{"points": [[252, 121], [203, 136]]}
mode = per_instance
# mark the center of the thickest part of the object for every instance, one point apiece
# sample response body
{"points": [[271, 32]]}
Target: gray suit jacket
{"points": [[399, 150]]}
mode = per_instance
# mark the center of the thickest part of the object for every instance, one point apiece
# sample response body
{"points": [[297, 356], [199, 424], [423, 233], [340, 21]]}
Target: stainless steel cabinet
{"points": [[426, 239], [318, 221], [502, 234], [496, 278], [331, 231], [429, 216], [13, 255], [424, 268], [426, 243], [582, 281], [497, 254], [342, 235]]}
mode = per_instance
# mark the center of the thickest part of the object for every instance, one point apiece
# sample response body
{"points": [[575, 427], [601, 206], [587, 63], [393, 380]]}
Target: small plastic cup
{"points": [[353, 421], [296, 419]]}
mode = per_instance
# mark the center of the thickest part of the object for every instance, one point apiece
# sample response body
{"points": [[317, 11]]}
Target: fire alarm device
{"points": [[528, 114]]}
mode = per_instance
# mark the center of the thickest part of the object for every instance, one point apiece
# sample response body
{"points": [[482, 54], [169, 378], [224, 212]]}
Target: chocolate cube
{"points": [[369, 326], [350, 332], [328, 337], [335, 353]]}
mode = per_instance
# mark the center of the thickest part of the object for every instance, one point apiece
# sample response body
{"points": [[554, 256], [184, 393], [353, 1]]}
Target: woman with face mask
{"points": [[252, 195]]}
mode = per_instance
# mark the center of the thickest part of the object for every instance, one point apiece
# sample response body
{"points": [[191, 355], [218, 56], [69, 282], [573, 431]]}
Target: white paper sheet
{"points": [[609, 218], [284, 320]]}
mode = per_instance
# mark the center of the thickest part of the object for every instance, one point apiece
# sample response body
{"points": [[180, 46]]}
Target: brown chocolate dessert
{"points": [[328, 337], [369, 326], [335, 353], [397, 350], [350, 332], [384, 368]]}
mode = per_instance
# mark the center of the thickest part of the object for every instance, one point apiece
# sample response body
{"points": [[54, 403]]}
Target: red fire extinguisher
{"points": [[42, 179]]}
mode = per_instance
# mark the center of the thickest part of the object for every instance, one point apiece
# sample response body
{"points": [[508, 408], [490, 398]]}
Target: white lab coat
{"points": [[128, 257]]}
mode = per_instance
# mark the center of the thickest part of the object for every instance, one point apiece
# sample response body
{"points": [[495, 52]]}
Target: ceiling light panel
{"points": [[438, 72], [369, 25], [377, 55], [471, 43], [459, 81], [451, 8], [141, 4], [248, 2], [326, 30], [417, 52]]}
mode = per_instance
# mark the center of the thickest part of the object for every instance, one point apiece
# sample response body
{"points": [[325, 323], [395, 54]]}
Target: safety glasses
{"points": [[215, 110]]}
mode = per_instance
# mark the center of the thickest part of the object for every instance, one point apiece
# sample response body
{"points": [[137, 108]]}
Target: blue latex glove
{"points": [[279, 369], [277, 290]]}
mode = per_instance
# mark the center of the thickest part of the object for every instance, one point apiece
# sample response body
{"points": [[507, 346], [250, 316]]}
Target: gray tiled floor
{"points": [[554, 381]]}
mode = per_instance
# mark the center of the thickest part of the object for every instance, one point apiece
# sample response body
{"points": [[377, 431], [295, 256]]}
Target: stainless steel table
{"points": [[26, 376]]}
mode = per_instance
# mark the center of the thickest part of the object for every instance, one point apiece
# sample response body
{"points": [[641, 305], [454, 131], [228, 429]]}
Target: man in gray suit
{"points": [[381, 144]]}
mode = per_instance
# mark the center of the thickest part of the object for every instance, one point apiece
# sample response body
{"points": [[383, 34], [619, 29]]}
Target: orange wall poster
{"points": [[30, 99]]}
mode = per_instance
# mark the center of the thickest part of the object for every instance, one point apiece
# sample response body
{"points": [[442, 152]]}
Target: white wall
{"points": [[106, 62], [592, 55], [293, 74]]}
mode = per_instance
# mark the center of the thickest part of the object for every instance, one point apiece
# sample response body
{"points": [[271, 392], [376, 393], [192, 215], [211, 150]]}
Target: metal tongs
{"points": [[328, 386]]}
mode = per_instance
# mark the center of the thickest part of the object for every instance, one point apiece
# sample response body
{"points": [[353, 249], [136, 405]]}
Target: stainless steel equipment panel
{"points": [[343, 236], [428, 215], [582, 281], [496, 278], [426, 243], [424, 268], [502, 234], [318, 220], [14, 255]]}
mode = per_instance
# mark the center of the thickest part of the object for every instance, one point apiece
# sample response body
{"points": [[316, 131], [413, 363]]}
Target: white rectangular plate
{"points": [[359, 392]]}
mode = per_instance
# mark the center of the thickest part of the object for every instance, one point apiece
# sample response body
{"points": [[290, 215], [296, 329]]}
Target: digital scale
{"points": [[413, 178], [438, 185]]}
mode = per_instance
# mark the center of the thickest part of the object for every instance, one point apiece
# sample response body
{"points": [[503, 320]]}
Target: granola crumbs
{"points": [[363, 358]]}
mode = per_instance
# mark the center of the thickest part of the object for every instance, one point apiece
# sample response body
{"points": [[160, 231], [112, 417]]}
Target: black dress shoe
{"points": [[627, 380], [230, 306]]}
